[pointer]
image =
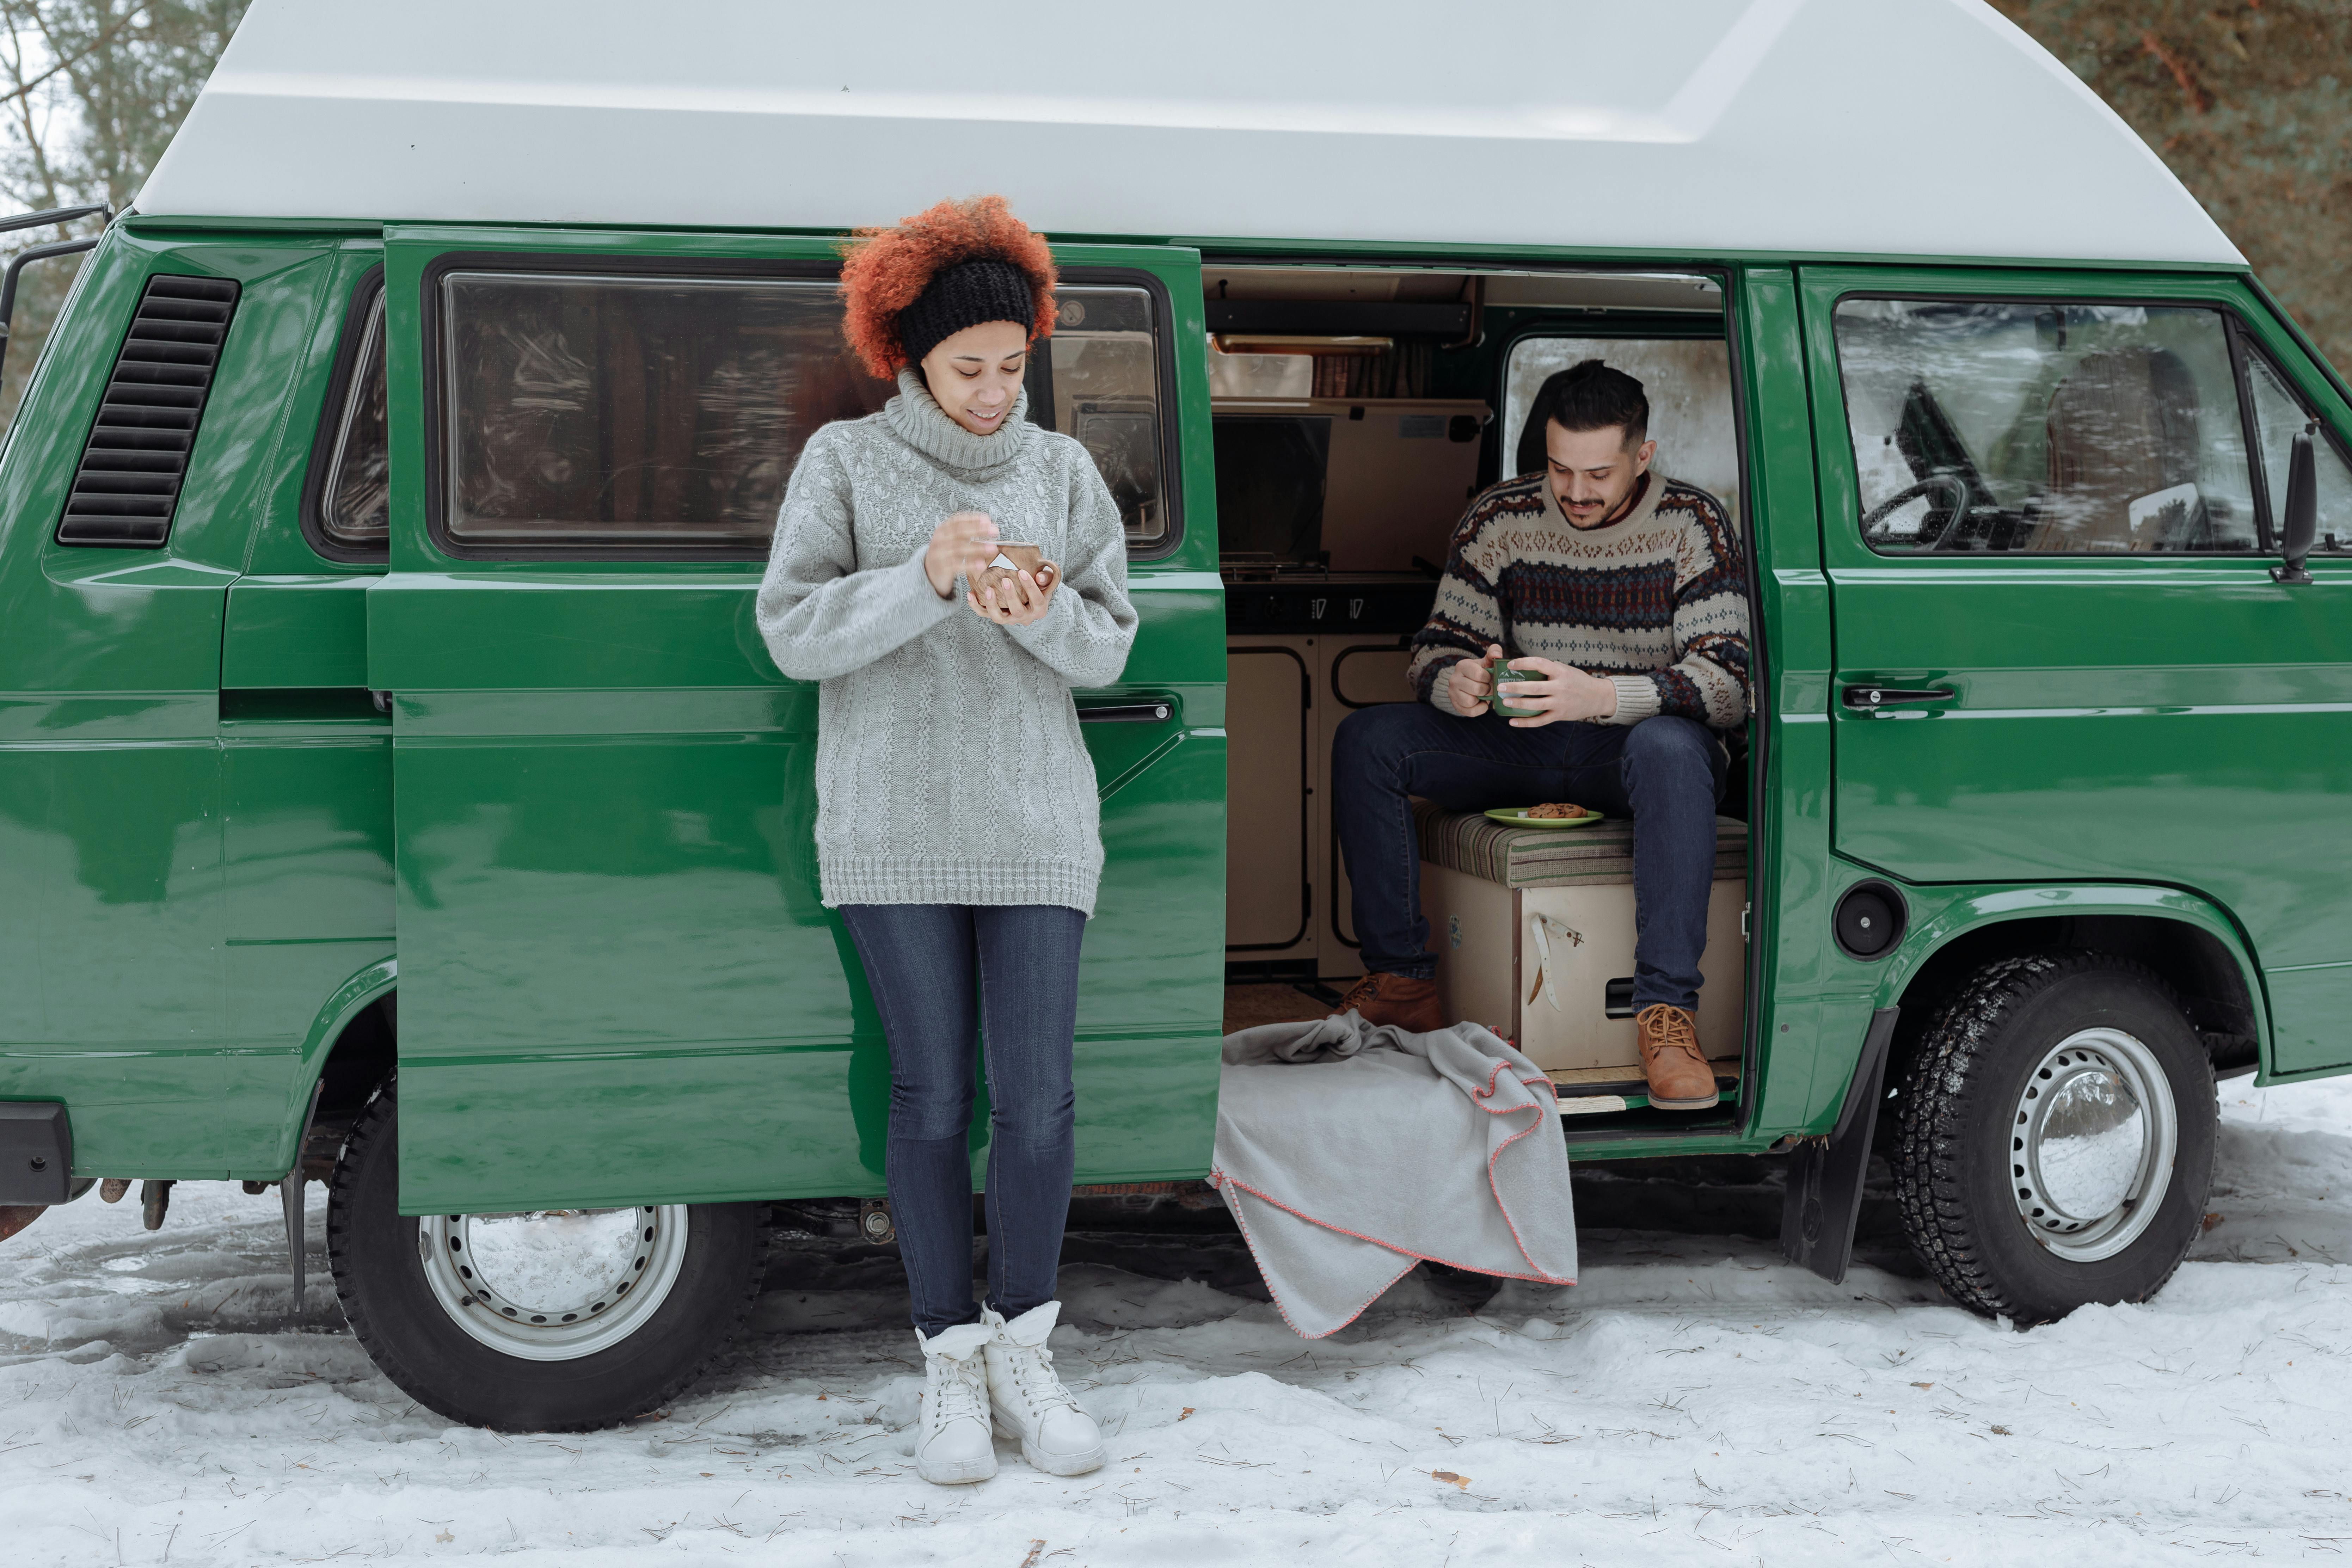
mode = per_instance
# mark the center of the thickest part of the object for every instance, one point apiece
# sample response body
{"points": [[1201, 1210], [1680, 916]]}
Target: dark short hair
{"points": [[1590, 397], [1587, 395]]}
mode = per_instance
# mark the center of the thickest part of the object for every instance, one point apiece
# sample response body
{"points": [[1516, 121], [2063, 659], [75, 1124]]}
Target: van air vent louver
{"points": [[129, 481]]}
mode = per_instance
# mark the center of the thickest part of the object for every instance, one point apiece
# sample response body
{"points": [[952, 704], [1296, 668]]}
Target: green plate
{"points": [[1517, 816]]}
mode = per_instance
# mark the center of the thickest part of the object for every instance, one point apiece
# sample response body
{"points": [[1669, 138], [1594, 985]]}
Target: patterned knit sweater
{"points": [[950, 765], [1656, 601]]}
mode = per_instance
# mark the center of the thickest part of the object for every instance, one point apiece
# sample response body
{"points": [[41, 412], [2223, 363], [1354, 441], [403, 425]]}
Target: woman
{"points": [[956, 825]]}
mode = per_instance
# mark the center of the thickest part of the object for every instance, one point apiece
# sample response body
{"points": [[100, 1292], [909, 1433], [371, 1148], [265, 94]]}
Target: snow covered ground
{"points": [[1694, 1401]]}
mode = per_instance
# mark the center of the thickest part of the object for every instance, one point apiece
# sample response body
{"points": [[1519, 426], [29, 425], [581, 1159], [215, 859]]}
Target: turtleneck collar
{"points": [[923, 425]]}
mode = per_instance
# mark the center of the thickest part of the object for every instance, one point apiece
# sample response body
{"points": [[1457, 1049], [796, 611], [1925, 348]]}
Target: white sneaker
{"points": [[1027, 1399], [953, 1445]]}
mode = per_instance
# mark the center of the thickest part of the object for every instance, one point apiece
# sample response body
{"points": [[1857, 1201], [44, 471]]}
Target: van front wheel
{"points": [[2056, 1137], [547, 1321]]}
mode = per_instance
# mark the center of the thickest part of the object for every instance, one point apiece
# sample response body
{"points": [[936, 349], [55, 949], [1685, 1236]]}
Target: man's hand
{"points": [[1469, 683], [1565, 692], [956, 549]]}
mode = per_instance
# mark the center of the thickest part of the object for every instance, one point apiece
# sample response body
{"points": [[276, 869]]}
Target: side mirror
{"points": [[2300, 519]]}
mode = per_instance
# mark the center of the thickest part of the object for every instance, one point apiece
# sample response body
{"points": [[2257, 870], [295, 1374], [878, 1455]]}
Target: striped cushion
{"points": [[1553, 856]]}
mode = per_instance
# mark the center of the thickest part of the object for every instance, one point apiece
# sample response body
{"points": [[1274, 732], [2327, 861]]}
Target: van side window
{"points": [[604, 413], [1687, 381], [2063, 428], [355, 503], [2279, 416], [612, 414], [1096, 379]]}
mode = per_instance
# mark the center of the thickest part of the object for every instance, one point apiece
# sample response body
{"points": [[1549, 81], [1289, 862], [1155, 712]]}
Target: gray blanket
{"points": [[1347, 1154]]}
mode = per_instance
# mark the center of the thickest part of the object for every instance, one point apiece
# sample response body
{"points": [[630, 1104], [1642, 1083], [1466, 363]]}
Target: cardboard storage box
{"points": [[1513, 908]]}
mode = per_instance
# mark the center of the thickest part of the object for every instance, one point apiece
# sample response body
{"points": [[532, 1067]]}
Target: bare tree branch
{"points": [[16, 69]]}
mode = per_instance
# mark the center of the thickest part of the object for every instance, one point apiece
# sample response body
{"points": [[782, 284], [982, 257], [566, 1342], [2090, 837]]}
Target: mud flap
{"points": [[289, 1193], [1824, 1193]]}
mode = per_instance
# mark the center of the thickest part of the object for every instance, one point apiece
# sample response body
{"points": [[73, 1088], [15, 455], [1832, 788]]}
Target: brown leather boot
{"points": [[1394, 999], [1679, 1077]]}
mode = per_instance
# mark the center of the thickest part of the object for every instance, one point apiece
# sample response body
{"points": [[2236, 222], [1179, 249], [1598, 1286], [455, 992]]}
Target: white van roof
{"points": [[1859, 127]]}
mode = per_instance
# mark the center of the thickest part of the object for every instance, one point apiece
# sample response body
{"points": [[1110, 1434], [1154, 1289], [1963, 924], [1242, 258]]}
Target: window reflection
{"points": [[1098, 381], [355, 507], [666, 413], [635, 413], [2279, 418], [2066, 428]]}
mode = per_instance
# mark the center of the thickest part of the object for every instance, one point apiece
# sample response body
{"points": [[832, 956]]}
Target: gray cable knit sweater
{"points": [[950, 765]]}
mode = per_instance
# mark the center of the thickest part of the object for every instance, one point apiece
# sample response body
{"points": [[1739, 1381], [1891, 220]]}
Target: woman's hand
{"points": [[1565, 692], [1470, 682], [956, 549], [1016, 601]]}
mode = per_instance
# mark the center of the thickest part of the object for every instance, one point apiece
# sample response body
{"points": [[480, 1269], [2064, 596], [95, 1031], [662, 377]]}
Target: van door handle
{"points": [[1127, 713], [1871, 699]]}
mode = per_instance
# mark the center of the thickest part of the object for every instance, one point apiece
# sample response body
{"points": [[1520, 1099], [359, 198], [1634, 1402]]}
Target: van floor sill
{"points": [[1598, 1091]]}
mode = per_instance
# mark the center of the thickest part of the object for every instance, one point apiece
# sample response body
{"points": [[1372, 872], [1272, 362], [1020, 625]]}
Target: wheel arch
{"points": [[2189, 942], [348, 1049]]}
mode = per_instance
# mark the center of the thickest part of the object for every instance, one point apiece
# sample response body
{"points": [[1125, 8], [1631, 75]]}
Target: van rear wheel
{"points": [[2056, 1137], [549, 1321]]}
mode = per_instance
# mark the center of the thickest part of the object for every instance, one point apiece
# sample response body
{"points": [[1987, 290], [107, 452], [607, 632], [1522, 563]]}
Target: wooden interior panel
{"points": [[1398, 481], [1268, 758], [1474, 925], [1363, 674], [1357, 674]]}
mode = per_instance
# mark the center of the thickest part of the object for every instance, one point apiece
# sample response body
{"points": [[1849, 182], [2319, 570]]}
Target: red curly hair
{"points": [[884, 270]]}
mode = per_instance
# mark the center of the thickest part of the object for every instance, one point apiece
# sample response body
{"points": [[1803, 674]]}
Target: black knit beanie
{"points": [[962, 296]]}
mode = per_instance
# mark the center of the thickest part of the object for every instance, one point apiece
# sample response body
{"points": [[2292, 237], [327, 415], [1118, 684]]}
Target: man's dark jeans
{"points": [[1665, 772], [940, 973]]}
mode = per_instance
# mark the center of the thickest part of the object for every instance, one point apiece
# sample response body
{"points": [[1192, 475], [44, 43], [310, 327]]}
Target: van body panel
{"points": [[1826, 1031], [366, 987], [131, 994], [2169, 718], [2309, 1004], [1800, 1059], [305, 632], [618, 982], [1940, 914]]}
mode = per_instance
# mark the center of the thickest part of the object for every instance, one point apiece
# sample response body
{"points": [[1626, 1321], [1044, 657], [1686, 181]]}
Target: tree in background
{"points": [[93, 90], [2251, 105]]}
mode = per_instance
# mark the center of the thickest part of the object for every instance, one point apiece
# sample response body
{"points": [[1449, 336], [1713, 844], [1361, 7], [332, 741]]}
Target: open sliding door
{"points": [[617, 982]]}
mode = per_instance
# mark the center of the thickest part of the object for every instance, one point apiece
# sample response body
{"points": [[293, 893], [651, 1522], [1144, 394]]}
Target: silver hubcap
{"points": [[553, 1284], [2092, 1143]]}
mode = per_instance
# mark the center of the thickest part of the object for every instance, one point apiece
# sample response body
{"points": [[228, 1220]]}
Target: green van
{"points": [[394, 790]]}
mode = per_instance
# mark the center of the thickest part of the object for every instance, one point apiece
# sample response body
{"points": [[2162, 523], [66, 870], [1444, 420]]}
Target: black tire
{"points": [[416, 1343], [1953, 1150]]}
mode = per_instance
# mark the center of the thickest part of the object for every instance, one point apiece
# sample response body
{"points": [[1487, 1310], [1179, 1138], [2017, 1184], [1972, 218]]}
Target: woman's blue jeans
{"points": [[1667, 773], [944, 976]]}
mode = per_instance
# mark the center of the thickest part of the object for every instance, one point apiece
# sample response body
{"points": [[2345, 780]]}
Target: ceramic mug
{"points": [[1005, 562], [1502, 670]]}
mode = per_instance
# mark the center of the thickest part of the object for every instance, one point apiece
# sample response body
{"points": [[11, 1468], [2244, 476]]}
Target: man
{"points": [[1624, 589]]}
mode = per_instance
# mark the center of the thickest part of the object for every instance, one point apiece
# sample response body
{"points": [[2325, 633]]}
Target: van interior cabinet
{"points": [[1333, 513], [1269, 708], [1287, 891]]}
